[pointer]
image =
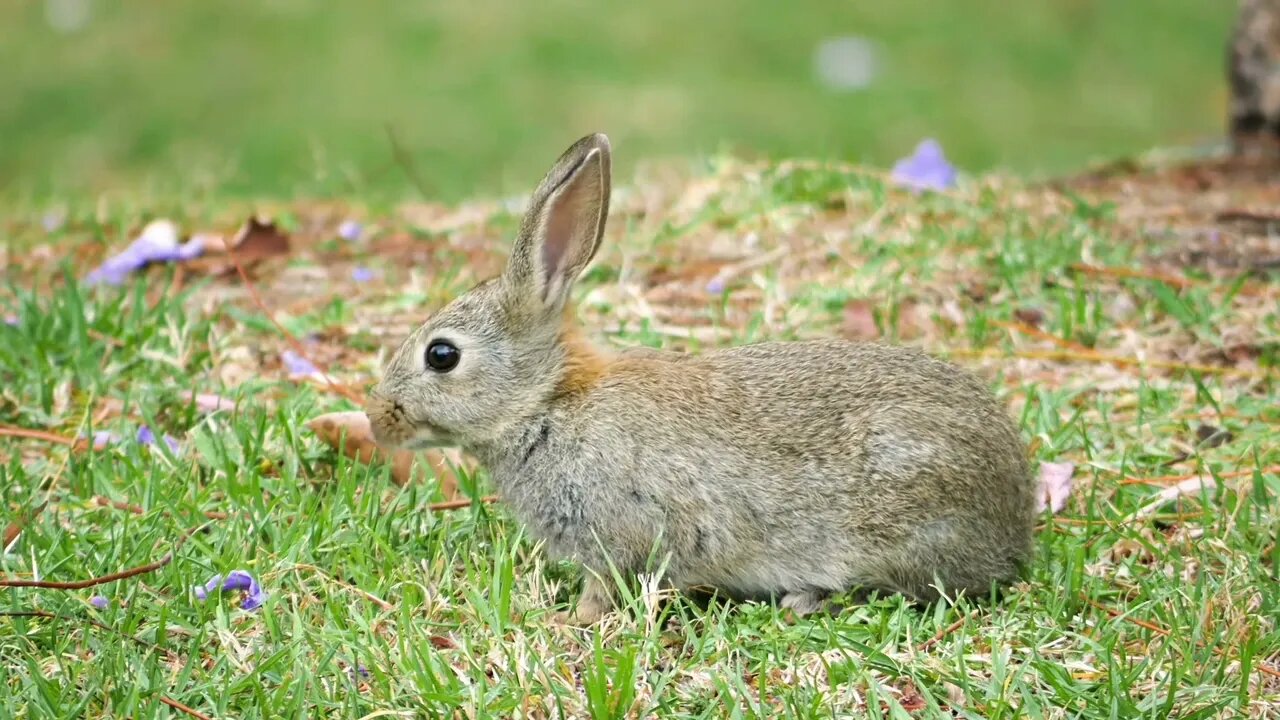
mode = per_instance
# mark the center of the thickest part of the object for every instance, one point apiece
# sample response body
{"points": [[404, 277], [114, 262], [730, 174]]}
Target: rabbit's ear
{"points": [[563, 225]]}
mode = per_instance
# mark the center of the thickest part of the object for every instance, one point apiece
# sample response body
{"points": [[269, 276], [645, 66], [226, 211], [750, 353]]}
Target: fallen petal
{"points": [[157, 243], [210, 587], [254, 599], [208, 402], [1055, 485], [297, 366], [350, 230], [238, 580], [925, 169], [362, 274], [234, 581], [102, 438]]}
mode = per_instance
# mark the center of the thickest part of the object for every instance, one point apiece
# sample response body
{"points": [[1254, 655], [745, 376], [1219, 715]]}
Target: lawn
{"points": [[275, 97], [1129, 320]]}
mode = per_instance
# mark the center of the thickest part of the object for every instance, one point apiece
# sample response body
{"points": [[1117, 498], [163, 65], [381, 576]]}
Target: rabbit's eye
{"points": [[443, 356]]}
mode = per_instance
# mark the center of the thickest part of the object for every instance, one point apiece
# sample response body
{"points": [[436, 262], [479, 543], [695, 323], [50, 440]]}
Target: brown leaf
{"points": [[1029, 315], [350, 433], [442, 642], [259, 240], [255, 241], [860, 321], [914, 321]]}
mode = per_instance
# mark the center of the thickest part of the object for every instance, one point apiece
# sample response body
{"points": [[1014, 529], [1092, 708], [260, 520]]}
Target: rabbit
{"points": [[777, 470], [1254, 73]]}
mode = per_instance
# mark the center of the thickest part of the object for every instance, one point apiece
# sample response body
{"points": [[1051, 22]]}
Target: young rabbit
{"points": [[795, 469], [1254, 71]]}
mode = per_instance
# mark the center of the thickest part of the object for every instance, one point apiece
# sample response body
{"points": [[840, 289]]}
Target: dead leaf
{"points": [[442, 642], [258, 240], [1172, 493], [255, 241], [860, 321], [350, 433], [1055, 486], [914, 321], [1029, 315]]}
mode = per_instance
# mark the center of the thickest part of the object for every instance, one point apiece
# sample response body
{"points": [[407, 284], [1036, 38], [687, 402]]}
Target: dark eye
{"points": [[443, 356]]}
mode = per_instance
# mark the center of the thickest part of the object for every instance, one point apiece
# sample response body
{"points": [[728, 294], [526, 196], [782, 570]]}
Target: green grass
{"points": [[270, 98], [460, 622]]}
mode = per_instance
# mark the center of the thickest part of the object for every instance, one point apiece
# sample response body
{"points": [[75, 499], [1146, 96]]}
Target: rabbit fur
{"points": [[788, 470], [1254, 74]]}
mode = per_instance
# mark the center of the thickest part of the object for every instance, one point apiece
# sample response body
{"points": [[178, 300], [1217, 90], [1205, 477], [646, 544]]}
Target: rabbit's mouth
{"points": [[394, 427], [420, 442]]}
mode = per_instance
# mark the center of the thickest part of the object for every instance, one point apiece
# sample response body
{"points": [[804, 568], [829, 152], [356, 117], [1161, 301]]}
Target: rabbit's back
{"points": [[780, 466]]}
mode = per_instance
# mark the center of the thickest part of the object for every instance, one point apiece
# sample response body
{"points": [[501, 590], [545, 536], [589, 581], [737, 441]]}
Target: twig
{"points": [[1131, 274], [1098, 357], [1039, 334], [1171, 479], [1262, 666], [137, 509], [924, 646], [179, 706], [1136, 621], [9, 431], [461, 503], [405, 161], [1175, 281], [104, 579], [288, 336]]}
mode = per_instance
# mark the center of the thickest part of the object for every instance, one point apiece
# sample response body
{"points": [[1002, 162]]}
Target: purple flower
{"points": [[350, 230], [10, 319], [296, 365], [99, 602], [157, 243], [147, 436], [362, 274], [925, 169], [103, 438], [715, 285], [235, 581]]}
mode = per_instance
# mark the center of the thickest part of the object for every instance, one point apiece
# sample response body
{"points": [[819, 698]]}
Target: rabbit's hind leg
{"points": [[805, 602]]}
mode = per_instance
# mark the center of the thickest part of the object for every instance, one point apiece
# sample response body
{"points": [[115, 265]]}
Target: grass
{"points": [[378, 604], [273, 98]]}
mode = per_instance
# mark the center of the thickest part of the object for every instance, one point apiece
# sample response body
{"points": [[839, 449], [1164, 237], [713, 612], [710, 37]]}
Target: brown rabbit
{"points": [[796, 470], [1254, 70]]}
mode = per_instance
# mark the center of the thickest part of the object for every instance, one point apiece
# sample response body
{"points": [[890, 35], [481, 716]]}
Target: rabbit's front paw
{"points": [[592, 605]]}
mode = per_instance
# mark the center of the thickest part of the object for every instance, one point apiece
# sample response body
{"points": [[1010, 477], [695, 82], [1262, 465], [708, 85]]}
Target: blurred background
{"points": [[289, 96]]}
